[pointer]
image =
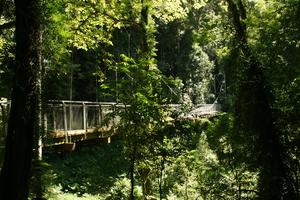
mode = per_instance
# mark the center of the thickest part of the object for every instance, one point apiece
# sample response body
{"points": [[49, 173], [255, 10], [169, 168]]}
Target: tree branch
{"points": [[7, 25]]}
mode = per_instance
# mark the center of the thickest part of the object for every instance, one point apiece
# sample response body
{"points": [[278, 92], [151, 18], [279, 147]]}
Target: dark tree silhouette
{"points": [[254, 116], [22, 125]]}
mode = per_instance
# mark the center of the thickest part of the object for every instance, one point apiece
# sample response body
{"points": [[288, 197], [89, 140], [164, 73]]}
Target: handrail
{"points": [[81, 102], [60, 115]]}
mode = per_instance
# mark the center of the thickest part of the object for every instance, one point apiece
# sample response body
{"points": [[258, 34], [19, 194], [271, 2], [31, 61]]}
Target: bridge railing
{"points": [[201, 110], [67, 119], [71, 118]]}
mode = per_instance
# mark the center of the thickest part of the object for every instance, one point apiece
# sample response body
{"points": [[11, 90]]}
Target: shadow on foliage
{"points": [[90, 170]]}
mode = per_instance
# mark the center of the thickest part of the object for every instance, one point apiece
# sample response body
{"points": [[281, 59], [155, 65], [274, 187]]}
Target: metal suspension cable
{"points": [[131, 78], [169, 87], [210, 108], [176, 94], [116, 74]]}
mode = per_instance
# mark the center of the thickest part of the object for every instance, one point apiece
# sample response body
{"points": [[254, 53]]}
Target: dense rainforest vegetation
{"points": [[242, 54]]}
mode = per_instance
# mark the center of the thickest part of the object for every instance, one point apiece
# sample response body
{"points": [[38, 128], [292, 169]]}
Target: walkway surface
{"points": [[69, 121]]}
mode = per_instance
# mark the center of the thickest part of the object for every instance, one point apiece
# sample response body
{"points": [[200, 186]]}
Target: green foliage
{"points": [[200, 76], [40, 176], [196, 160], [211, 170], [143, 118], [7, 45], [121, 189], [170, 10], [181, 177], [265, 75], [287, 110], [55, 36], [149, 53], [234, 159], [88, 171]]}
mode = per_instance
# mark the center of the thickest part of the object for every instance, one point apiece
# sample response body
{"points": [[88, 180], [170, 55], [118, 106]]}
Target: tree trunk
{"points": [[146, 182], [22, 124], [132, 168], [255, 114], [162, 167], [36, 185]]}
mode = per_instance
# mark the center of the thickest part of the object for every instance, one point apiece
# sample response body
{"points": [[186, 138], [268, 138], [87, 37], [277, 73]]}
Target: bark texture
{"points": [[22, 124]]}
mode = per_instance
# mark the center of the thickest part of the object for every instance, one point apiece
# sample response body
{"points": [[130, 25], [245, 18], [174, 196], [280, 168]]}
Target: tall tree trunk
{"points": [[254, 113], [162, 167], [22, 124], [144, 22], [132, 168], [36, 183]]}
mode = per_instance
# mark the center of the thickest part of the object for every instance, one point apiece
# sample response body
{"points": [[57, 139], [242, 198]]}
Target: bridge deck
{"points": [[67, 121]]}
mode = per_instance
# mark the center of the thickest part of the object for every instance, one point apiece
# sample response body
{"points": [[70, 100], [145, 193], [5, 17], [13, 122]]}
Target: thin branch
{"points": [[7, 25], [125, 21]]}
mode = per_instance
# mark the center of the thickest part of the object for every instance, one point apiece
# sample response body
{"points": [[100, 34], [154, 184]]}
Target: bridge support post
{"points": [[65, 123], [99, 115], [54, 118], [101, 118], [84, 119], [114, 117]]}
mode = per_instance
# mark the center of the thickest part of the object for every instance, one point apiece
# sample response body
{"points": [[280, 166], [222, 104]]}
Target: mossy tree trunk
{"points": [[254, 115]]}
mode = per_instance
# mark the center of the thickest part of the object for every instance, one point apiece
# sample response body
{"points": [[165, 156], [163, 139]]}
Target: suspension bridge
{"points": [[68, 122]]}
